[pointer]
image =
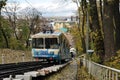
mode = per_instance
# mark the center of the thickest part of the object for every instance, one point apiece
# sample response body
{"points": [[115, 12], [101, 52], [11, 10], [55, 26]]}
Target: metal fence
{"points": [[101, 72]]}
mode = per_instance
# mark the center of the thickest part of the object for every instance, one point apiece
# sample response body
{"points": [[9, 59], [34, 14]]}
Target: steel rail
{"points": [[20, 68]]}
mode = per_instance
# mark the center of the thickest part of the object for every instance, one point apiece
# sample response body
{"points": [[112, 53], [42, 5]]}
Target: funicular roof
{"points": [[46, 35]]}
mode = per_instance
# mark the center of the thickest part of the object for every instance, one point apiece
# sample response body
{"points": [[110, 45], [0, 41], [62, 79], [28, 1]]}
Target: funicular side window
{"points": [[51, 43], [33, 42], [37, 43]]}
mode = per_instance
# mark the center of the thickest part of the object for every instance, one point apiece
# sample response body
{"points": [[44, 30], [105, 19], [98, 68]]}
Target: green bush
{"points": [[16, 44], [114, 61], [95, 58]]}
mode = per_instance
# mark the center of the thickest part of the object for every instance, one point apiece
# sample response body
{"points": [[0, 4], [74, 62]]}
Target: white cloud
{"points": [[23, 5], [51, 7]]}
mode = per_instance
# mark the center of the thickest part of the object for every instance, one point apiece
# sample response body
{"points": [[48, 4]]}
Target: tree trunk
{"points": [[82, 33], [83, 9], [97, 36], [108, 27], [117, 23]]}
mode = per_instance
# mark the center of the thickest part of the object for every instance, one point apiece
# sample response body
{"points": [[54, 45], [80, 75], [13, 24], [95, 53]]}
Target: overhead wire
{"points": [[29, 3], [32, 6]]}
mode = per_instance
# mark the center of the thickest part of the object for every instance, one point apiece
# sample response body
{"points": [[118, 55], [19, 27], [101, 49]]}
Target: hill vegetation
{"points": [[98, 28]]}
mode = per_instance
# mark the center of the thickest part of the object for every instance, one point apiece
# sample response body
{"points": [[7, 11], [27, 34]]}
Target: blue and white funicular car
{"points": [[50, 46]]}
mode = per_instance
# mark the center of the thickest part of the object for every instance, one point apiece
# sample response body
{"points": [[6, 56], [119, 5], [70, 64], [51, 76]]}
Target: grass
{"points": [[82, 73], [13, 56]]}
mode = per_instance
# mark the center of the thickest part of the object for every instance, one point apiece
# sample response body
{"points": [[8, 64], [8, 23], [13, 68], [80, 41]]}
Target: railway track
{"points": [[20, 68]]}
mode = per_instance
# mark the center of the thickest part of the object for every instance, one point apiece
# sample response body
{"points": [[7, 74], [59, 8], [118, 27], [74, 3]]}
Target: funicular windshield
{"points": [[51, 43], [48, 43], [37, 43]]}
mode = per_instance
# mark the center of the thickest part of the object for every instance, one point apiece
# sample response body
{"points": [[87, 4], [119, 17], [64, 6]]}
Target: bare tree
{"points": [[32, 16], [11, 12]]}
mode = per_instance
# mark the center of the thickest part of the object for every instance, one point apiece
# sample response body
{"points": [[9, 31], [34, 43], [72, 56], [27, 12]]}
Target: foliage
{"points": [[15, 31], [95, 58], [6, 27], [77, 39], [7, 31], [23, 26], [2, 3], [16, 44], [1, 40], [114, 61], [13, 42], [25, 32], [22, 34], [98, 44]]}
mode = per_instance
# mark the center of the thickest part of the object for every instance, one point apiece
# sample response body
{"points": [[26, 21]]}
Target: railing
{"points": [[101, 72]]}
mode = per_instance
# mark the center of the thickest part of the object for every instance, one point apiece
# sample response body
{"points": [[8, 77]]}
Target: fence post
{"points": [[23, 57], [3, 61]]}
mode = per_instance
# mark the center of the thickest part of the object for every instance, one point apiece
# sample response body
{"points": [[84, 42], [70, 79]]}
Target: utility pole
{"points": [[87, 33]]}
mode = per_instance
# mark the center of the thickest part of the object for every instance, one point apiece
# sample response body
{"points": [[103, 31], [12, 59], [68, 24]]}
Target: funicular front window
{"points": [[51, 43], [37, 43]]}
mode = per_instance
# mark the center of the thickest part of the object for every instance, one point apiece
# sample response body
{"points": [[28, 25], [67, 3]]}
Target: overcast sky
{"points": [[50, 7]]}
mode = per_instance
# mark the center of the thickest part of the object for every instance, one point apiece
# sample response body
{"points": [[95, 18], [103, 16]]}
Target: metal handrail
{"points": [[101, 72]]}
